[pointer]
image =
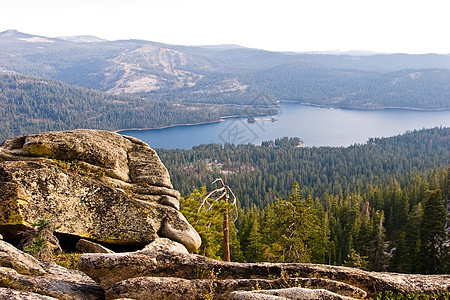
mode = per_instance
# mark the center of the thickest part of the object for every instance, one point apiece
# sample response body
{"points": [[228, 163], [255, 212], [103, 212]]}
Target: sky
{"points": [[390, 26]]}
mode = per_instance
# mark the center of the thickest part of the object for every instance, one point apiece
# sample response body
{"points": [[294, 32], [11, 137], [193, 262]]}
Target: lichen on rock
{"points": [[132, 202]]}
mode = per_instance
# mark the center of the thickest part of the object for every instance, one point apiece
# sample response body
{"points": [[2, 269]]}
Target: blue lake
{"points": [[315, 126]]}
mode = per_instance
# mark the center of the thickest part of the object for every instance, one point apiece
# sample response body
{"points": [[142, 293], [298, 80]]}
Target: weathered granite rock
{"points": [[86, 246], [23, 263], [93, 184], [178, 288], [108, 269], [124, 158], [165, 245], [50, 286], [56, 271], [294, 293], [23, 273], [10, 294], [157, 288]]}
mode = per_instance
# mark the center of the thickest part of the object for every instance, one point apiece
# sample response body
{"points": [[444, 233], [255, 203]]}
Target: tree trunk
{"points": [[226, 232], [226, 237]]}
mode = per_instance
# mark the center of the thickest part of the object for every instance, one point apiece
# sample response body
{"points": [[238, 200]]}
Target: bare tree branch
{"points": [[222, 194]]}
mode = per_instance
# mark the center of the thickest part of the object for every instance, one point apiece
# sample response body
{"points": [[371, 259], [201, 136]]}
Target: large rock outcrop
{"points": [[93, 184]]}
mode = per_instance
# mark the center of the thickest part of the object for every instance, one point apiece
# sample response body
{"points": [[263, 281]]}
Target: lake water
{"points": [[315, 126]]}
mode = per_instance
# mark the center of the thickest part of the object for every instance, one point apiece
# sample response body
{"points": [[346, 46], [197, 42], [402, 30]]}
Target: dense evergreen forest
{"points": [[377, 206], [409, 88], [32, 104], [259, 175]]}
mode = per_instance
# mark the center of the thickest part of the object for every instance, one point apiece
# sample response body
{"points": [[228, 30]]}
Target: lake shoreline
{"points": [[316, 126], [224, 118], [363, 108]]}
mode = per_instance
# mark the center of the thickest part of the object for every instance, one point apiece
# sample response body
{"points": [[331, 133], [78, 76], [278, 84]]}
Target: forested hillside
{"points": [[409, 88], [259, 175], [378, 206], [32, 104]]}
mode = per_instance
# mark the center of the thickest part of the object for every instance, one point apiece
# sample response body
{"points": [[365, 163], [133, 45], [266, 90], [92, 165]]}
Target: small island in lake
{"points": [[253, 119]]}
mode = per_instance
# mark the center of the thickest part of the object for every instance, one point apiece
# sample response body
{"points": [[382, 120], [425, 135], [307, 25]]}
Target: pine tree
{"points": [[207, 223], [355, 260], [224, 197], [253, 251], [293, 230], [412, 237], [399, 263], [236, 253], [379, 262], [327, 247], [432, 234]]}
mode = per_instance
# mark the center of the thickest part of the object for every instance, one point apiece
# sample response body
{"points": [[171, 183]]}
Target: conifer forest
{"points": [[379, 206]]}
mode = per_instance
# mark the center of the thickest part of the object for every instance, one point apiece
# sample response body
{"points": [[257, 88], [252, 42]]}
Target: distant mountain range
{"points": [[231, 74]]}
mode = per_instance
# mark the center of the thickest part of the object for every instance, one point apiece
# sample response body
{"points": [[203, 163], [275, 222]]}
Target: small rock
{"points": [[20, 261], [289, 293], [177, 228], [60, 288], [166, 245], [170, 201], [91, 247], [10, 294]]}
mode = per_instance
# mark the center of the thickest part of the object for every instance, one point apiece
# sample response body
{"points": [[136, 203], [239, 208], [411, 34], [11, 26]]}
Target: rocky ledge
{"points": [[163, 275], [165, 270]]}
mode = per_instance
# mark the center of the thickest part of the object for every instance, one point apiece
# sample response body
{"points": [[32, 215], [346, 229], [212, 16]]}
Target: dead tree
{"points": [[222, 194]]}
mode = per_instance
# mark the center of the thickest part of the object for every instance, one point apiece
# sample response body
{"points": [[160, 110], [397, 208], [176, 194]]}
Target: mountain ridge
{"points": [[82, 39], [230, 74]]}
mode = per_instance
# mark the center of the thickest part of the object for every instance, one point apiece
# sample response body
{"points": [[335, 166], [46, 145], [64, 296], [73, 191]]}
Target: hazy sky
{"points": [[408, 26]]}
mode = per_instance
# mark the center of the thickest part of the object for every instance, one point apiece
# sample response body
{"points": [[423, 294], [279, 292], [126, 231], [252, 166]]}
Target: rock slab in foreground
{"points": [[60, 288], [177, 288], [93, 184], [288, 293], [121, 271]]}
